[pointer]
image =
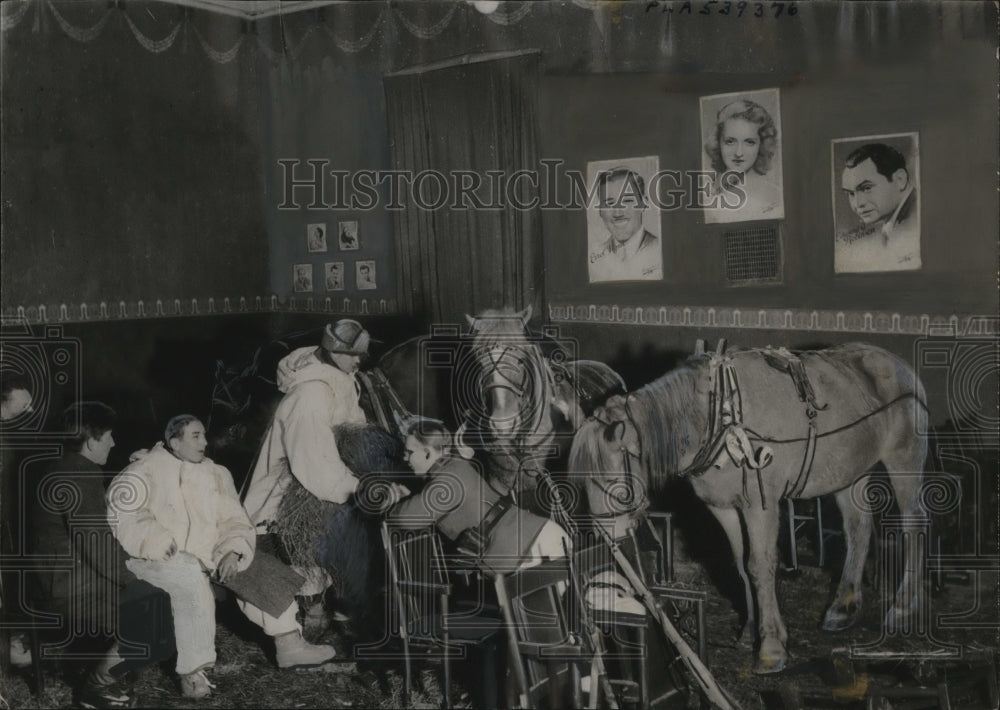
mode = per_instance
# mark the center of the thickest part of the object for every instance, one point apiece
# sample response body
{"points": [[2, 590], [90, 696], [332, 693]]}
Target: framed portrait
{"points": [[875, 186], [623, 224], [316, 236], [741, 152], [347, 235], [334, 275], [365, 275], [302, 278]]}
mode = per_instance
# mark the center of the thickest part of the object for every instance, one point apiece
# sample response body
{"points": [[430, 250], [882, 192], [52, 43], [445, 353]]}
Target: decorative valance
{"points": [[87, 24]]}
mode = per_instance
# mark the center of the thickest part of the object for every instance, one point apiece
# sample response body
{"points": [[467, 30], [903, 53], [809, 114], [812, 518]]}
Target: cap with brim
{"points": [[345, 336]]}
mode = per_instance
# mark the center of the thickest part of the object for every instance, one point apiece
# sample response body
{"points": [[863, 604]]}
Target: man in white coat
{"points": [[178, 516], [321, 392]]}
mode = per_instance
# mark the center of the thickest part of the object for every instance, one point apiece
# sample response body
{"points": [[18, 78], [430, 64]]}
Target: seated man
{"points": [[99, 592], [178, 515], [518, 536]]}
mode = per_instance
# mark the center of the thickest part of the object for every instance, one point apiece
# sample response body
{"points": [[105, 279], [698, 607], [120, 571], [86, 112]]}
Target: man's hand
{"points": [[397, 492], [228, 567]]}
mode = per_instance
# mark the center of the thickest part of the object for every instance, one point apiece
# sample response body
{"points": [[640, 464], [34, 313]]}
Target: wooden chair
{"points": [[544, 644], [421, 610], [686, 607], [13, 621], [635, 665], [796, 521]]}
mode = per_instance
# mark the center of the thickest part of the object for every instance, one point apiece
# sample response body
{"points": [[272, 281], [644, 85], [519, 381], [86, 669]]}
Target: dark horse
{"points": [[513, 396], [753, 427]]}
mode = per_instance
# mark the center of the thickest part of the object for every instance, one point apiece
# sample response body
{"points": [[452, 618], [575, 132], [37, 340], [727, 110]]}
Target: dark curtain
{"points": [[476, 115]]}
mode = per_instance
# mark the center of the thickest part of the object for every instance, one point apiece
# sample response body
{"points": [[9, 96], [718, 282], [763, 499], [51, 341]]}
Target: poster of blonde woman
{"points": [[623, 226], [741, 139]]}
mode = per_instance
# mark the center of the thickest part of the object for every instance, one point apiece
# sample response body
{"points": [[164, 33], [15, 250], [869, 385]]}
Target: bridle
{"points": [[623, 493], [528, 382]]}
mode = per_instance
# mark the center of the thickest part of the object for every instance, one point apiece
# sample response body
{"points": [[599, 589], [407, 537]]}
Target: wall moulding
{"points": [[795, 319], [182, 307]]}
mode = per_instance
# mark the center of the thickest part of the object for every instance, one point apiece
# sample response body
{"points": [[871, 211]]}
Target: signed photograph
{"points": [[741, 139], [876, 203], [334, 271], [623, 227], [365, 275], [316, 237], [302, 278], [348, 236]]}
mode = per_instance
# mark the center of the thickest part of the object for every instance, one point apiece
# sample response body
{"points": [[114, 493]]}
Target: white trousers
{"points": [[192, 604], [272, 625]]}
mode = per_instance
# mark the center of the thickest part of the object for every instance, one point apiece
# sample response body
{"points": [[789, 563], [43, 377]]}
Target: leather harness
{"points": [[725, 420]]}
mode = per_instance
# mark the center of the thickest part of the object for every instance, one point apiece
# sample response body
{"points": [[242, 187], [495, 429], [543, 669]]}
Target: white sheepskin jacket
{"points": [[300, 441], [160, 499]]}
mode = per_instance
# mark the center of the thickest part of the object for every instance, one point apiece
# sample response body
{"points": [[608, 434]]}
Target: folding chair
{"points": [[660, 528], [796, 521], [420, 610], [686, 607], [543, 639], [11, 621]]}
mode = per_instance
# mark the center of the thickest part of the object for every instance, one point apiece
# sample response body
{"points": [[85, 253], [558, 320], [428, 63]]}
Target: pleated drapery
{"points": [[464, 123]]}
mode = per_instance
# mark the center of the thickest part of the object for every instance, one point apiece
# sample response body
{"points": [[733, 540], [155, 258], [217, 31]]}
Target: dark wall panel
{"points": [[128, 174], [921, 76]]}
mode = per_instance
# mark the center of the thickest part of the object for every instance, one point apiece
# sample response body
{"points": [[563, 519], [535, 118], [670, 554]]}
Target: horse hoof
{"points": [[767, 666], [841, 618]]}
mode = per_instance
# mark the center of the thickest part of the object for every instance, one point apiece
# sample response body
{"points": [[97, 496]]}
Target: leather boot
{"points": [[293, 651]]}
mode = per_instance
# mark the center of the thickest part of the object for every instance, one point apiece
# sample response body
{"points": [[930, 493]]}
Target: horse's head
{"points": [[607, 453], [510, 374]]}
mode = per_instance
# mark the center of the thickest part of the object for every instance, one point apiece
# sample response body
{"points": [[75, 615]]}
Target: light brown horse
{"points": [[753, 427], [530, 395]]}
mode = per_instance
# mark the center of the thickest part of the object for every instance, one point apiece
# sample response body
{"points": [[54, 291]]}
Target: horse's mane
{"points": [[585, 454], [668, 419]]}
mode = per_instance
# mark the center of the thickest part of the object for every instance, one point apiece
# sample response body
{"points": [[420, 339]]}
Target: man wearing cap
{"points": [[321, 392]]}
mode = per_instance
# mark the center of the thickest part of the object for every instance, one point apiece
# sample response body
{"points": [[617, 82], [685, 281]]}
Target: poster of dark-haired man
{"points": [[876, 203]]}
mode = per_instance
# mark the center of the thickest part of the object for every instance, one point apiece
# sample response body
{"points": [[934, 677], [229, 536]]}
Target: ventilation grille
{"points": [[753, 255]]}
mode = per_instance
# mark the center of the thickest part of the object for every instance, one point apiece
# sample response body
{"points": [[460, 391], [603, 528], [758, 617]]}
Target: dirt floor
{"points": [[963, 612]]}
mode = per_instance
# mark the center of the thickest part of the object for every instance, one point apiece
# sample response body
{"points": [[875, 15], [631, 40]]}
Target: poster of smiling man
{"points": [[623, 226], [876, 203], [741, 141]]}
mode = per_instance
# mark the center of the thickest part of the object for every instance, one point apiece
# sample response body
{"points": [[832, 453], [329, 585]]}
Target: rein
{"points": [[638, 504]]}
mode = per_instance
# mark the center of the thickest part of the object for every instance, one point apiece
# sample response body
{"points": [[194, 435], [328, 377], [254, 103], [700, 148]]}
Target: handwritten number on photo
{"points": [[725, 7]]}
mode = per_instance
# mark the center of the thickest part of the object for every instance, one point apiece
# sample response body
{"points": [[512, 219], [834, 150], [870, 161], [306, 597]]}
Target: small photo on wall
{"points": [[741, 148], [365, 273], [623, 224], [316, 237], [348, 237], [302, 278], [334, 275], [876, 203]]}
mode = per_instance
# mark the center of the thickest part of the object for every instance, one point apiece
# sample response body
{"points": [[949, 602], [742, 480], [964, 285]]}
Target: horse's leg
{"points": [[905, 475], [730, 521], [846, 605], [762, 535]]}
